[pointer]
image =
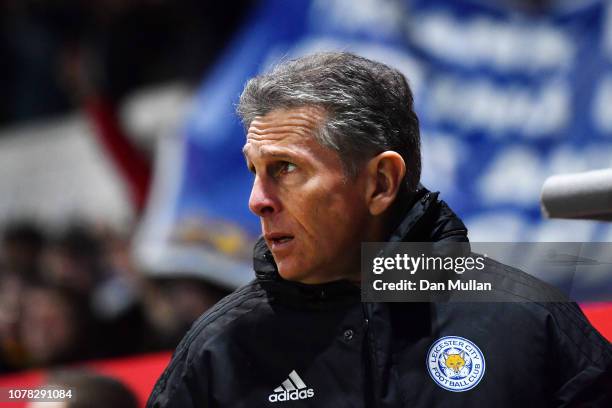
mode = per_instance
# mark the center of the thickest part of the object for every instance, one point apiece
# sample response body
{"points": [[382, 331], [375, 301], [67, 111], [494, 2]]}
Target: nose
{"points": [[262, 201]]}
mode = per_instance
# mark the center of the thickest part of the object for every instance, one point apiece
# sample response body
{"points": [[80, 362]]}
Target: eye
{"points": [[284, 167], [288, 167]]}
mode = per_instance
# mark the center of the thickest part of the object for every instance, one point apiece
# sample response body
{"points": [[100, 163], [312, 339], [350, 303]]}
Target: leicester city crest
{"points": [[455, 363]]}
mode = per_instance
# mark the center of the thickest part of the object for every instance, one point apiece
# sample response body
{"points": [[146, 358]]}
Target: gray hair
{"points": [[368, 105]]}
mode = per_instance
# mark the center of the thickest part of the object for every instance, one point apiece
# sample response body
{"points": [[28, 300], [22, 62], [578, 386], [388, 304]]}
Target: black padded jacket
{"points": [[275, 343]]}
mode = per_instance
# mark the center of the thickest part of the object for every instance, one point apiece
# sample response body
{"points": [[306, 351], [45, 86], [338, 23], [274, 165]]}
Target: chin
{"points": [[291, 272]]}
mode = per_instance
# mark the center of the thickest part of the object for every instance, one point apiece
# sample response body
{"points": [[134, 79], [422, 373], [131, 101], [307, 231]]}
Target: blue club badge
{"points": [[455, 363]]}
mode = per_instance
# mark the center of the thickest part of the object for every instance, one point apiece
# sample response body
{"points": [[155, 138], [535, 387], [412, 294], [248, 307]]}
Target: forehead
{"points": [[294, 127]]}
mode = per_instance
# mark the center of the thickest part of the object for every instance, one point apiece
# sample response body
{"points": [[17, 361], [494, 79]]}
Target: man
{"points": [[333, 143]]}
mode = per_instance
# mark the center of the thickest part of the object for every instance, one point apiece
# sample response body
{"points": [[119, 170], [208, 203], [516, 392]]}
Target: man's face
{"points": [[312, 215]]}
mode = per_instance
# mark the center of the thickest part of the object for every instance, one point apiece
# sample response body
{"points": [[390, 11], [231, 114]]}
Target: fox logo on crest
{"points": [[455, 363]]}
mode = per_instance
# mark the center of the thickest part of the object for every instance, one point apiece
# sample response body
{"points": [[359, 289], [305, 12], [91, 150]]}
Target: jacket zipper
{"points": [[371, 389]]}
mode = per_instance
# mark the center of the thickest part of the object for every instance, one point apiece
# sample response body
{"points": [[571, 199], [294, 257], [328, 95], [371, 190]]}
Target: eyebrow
{"points": [[268, 153]]}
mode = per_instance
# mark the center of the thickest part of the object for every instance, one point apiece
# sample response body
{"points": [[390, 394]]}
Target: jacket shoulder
{"points": [[514, 284], [563, 317], [214, 326], [225, 313]]}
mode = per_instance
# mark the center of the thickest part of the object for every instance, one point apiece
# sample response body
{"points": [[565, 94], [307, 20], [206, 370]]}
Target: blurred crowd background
{"points": [[69, 289], [123, 192], [120, 46], [76, 295]]}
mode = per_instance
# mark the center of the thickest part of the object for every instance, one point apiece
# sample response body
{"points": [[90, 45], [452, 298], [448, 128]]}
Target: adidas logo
{"points": [[292, 389]]}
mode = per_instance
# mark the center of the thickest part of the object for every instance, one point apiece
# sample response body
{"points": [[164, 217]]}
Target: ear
{"points": [[385, 173]]}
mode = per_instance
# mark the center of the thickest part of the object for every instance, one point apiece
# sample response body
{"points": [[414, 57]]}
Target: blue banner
{"points": [[506, 98]]}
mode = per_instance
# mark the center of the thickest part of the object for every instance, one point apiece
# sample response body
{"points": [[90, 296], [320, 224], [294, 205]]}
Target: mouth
{"points": [[278, 240]]}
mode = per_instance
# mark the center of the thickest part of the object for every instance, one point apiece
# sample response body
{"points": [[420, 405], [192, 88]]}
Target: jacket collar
{"points": [[426, 220]]}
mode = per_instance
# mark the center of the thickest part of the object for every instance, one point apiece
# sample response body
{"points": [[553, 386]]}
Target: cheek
{"points": [[340, 216], [328, 212]]}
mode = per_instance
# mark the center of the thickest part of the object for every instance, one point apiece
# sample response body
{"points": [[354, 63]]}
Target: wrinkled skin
{"points": [[313, 217]]}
